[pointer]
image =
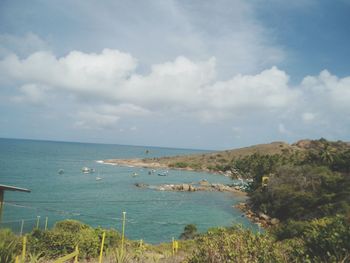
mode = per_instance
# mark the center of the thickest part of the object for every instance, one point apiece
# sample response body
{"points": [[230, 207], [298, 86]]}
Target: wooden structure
{"points": [[4, 188]]}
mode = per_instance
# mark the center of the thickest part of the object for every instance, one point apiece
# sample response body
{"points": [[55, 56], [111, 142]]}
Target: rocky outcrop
{"points": [[200, 186], [259, 218]]}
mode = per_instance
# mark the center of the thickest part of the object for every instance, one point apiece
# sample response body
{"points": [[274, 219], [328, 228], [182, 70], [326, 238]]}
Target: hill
{"points": [[222, 161]]}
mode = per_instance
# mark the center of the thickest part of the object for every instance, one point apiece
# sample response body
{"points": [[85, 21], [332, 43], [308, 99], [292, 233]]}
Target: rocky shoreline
{"points": [[193, 187], [258, 218]]}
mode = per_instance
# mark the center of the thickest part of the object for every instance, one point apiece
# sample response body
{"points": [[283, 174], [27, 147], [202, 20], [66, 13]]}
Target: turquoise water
{"points": [[154, 216]]}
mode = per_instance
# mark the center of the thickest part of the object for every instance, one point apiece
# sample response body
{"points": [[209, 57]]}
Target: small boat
{"points": [[98, 178], [60, 171], [165, 173], [134, 174], [87, 170]]}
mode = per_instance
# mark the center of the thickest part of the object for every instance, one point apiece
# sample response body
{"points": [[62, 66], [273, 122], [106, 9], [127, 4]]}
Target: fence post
{"points": [[24, 247], [176, 246], [102, 243], [173, 246], [76, 257], [37, 222], [22, 225], [123, 230]]}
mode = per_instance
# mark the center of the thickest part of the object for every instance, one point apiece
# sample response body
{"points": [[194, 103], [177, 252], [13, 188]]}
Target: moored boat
{"points": [[87, 170]]}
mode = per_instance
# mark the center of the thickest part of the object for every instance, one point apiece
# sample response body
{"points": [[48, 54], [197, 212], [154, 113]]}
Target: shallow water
{"points": [[154, 216]]}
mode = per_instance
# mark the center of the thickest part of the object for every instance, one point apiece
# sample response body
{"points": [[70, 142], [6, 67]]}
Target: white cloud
{"points": [[268, 90], [32, 93], [308, 117], [76, 72], [108, 86], [94, 121], [125, 109], [327, 91], [179, 85]]}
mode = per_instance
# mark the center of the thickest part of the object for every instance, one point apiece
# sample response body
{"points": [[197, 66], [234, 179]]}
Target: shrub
{"points": [[180, 165], [238, 245], [190, 231], [63, 239], [290, 229], [328, 240], [112, 238], [10, 246]]}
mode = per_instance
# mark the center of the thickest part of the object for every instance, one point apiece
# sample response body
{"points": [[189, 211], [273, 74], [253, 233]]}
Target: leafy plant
{"points": [[121, 256], [238, 245], [9, 246], [35, 258]]}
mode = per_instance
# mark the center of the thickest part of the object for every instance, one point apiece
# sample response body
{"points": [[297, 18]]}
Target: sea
{"points": [[151, 215]]}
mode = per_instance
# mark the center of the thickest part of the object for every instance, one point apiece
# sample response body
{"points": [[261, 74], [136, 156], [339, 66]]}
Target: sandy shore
{"points": [[136, 163]]}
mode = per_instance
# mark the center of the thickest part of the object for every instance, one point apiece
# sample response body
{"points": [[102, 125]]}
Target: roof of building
{"points": [[13, 188]]}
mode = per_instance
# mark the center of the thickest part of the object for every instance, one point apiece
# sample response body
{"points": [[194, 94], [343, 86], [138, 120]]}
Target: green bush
{"points": [[66, 235], [190, 231], [238, 245], [112, 238], [290, 229], [320, 240], [328, 240], [180, 165]]}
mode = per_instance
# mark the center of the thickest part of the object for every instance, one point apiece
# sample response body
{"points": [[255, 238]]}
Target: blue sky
{"points": [[195, 74]]}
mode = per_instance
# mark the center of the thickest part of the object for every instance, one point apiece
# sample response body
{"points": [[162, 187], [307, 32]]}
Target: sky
{"points": [[190, 74]]}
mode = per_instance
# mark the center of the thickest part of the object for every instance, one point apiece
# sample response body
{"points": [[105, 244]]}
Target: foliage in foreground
{"points": [[238, 245], [9, 246], [66, 235], [320, 240]]}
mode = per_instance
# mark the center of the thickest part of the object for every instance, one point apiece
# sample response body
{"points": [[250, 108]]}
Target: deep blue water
{"points": [[154, 216]]}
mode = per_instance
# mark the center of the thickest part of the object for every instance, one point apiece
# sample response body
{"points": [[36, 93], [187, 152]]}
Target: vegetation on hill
{"points": [[222, 160], [307, 189]]}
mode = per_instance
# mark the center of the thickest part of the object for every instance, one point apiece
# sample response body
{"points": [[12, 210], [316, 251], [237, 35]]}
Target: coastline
{"points": [[261, 219], [135, 163], [151, 164]]}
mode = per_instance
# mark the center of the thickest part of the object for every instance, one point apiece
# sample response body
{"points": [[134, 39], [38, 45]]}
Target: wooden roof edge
{"points": [[13, 188]]}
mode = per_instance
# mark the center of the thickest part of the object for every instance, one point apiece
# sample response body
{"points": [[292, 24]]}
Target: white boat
{"points": [[164, 173], [98, 178], [87, 170]]}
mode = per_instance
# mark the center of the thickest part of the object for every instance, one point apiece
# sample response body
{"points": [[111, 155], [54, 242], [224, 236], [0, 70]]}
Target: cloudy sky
{"points": [[194, 74]]}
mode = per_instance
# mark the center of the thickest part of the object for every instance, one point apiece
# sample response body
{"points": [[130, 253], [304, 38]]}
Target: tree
{"points": [[190, 231]]}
